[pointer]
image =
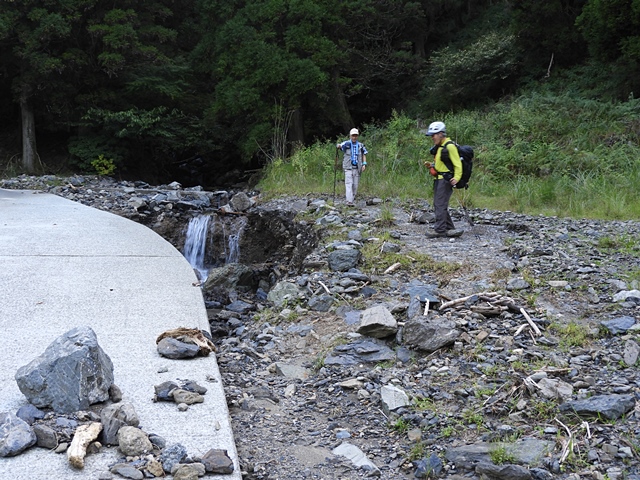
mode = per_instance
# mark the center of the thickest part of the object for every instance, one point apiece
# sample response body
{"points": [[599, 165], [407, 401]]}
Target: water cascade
{"points": [[195, 244], [233, 252]]}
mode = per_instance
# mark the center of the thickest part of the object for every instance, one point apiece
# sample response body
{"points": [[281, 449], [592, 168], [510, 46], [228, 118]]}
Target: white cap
{"points": [[354, 131]]}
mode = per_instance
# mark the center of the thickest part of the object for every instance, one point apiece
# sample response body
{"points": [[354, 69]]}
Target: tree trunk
{"points": [[296, 132], [29, 152], [344, 116]]}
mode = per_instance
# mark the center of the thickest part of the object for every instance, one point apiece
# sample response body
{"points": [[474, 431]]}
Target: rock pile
{"points": [[73, 380]]}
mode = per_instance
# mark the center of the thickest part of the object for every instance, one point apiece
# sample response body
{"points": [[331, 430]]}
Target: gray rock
{"points": [[282, 293], [240, 202], [526, 452], [72, 374], [29, 413], [623, 295], [173, 348], [377, 322], [343, 260], [607, 406], [217, 461], [15, 435], [503, 472], [355, 456], [517, 284], [631, 352], [321, 303], [172, 455], [163, 391], [430, 335], [115, 416], [555, 389], [389, 247], [619, 324], [46, 436], [292, 371], [127, 471], [239, 307], [133, 441], [393, 398], [368, 351], [233, 276], [428, 467]]}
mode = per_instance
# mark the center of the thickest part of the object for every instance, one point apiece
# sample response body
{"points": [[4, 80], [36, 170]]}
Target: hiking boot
{"points": [[454, 232], [431, 233]]}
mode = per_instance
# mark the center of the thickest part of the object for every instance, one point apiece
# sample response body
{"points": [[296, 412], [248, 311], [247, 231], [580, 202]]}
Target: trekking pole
{"points": [[466, 216], [335, 174]]}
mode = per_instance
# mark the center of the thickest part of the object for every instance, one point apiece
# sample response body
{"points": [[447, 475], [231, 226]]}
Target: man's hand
{"points": [[453, 182], [363, 167]]}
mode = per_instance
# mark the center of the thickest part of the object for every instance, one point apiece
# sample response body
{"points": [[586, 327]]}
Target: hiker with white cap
{"points": [[354, 163]]}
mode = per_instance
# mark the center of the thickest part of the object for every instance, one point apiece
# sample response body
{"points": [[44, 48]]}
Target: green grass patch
{"points": [[540, 153], [571, 335]]}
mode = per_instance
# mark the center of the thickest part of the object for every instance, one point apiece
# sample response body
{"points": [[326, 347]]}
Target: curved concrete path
{"points": [[64, 265]]}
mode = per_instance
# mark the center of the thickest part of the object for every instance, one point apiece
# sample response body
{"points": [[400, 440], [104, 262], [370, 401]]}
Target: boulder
{"points": [[72, 373]]}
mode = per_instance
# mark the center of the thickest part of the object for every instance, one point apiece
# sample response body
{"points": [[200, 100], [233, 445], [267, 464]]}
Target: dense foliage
{"points": [[152, 85]]}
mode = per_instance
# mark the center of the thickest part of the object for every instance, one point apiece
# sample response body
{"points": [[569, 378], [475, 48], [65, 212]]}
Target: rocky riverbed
{"points": [[360, 348]]}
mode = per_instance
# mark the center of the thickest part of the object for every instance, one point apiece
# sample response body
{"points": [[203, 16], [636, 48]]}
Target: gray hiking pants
{"points": [[351, 181], [442, 191]]}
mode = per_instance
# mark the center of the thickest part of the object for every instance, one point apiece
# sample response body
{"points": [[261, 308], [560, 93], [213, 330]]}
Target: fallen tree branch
{"points": [[392, 268], [533, 325], [568, 446]]}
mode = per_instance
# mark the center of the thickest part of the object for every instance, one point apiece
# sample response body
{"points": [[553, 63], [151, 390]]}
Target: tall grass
{"points": [[555, 154]]}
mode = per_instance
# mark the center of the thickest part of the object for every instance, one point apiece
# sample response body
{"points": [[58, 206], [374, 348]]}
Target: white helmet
{"points": [[436, 127], [354, 131]]}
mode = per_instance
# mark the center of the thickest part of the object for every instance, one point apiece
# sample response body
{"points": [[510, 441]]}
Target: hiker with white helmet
{"points": [[354, 163], [444, 180]]}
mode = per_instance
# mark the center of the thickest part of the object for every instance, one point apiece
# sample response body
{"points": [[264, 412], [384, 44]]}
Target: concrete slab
{"points": [[64, 265]]}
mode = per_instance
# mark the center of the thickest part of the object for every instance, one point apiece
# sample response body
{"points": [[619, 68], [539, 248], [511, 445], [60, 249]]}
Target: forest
{"points": [[164, 89]]}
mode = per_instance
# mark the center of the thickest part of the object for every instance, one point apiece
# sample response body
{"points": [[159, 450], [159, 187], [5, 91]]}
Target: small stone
{"points": [[217, 461]]}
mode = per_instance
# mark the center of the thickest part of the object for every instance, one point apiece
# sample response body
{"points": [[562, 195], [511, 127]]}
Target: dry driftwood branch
{"points": [[82, 438], [488, 311], [325, 287], [426, 308], [568, 446], [520, 328], [392, 268], [533, 325], [455, 302]]}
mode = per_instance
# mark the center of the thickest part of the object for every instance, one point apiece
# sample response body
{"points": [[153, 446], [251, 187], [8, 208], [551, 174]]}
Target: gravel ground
{"points": [[299, 383]]}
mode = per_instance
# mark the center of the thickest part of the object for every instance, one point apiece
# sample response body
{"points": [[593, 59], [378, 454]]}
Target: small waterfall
{"points": [[233, 252], [195, 244]]}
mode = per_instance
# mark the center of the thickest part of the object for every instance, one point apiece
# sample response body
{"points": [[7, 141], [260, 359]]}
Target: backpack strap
{"points": [[444, 156]]}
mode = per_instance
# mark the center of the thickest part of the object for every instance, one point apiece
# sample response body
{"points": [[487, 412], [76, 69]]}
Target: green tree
{"points": [[82, 56], [546, 33], [611, 30]]}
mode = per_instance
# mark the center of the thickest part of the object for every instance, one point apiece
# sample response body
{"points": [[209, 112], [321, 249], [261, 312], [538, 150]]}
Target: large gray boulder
{"points": [[377, 322], [72, 373], [233, 276], [430, 335], [343, 260]]}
